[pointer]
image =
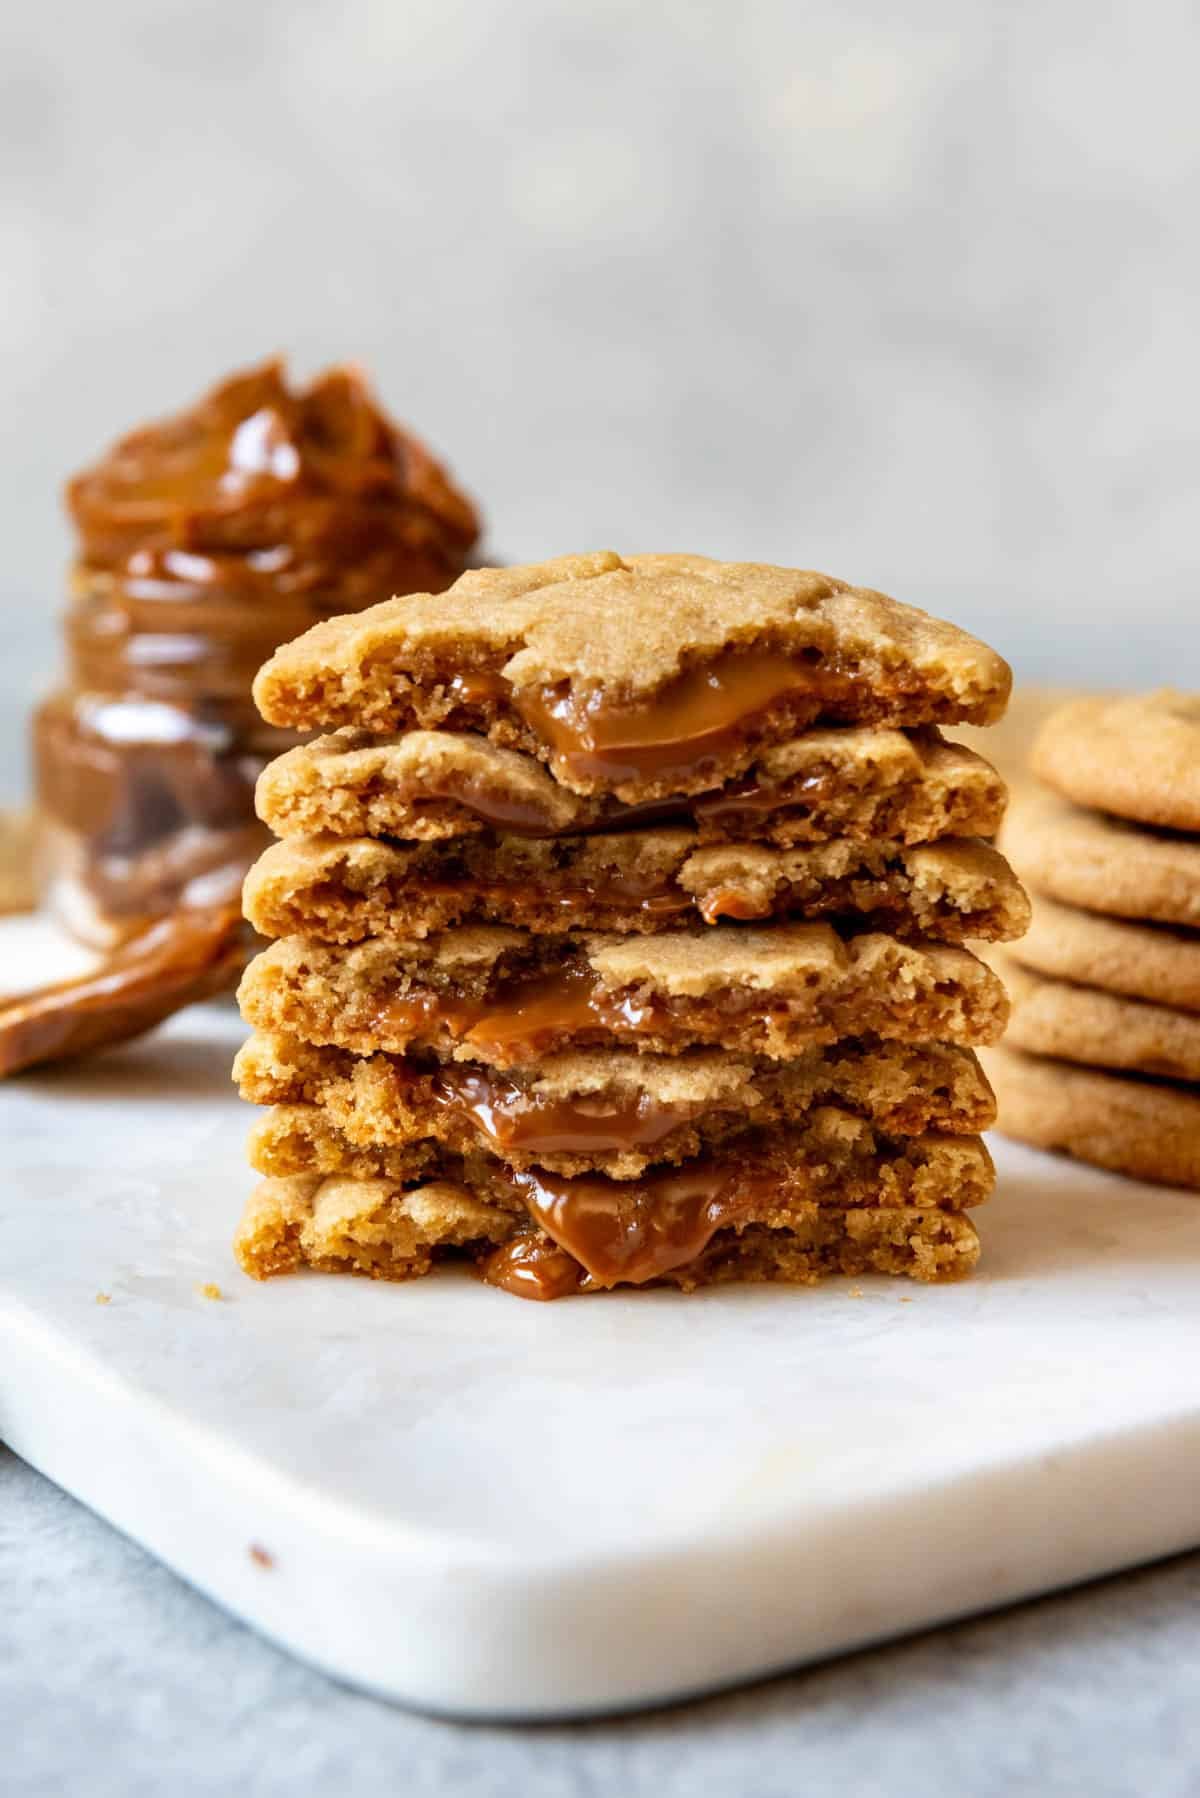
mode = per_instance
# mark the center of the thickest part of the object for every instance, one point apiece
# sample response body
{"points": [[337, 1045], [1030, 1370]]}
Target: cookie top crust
{"points": [[425, 784], [639, 676], [1137, 756], [1102, 863]]}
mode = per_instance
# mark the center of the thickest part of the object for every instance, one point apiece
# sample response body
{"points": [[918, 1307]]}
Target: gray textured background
{"points": [[911, 298]]}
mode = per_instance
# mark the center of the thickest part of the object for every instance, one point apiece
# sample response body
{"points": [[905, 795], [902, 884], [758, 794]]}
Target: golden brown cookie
{"points": [[1084, 1024], [858, 782], [639, 678], [377, 1228], [1149, 1129], [1144, 961], [1101, 863], [503, 997], [1137, 755], [342, 889], [613, 1110]]}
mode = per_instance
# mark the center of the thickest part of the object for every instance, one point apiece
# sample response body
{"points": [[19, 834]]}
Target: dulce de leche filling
{"points": [[209, 538], [620, 1230], [738, 805], [513, 1118], [524, 1016], [271, 490], [695, 718], [187, 956]]}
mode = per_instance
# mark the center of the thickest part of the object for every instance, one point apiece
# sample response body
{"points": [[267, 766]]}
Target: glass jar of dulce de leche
{"points": [[204, 542]]}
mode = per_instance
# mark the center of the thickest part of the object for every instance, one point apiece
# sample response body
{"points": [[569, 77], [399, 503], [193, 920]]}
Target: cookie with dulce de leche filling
{"points": [[638, 678]]}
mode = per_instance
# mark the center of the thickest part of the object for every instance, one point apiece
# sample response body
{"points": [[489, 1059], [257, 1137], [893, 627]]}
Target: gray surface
{"points": [[116, 1681], [903, 292]]}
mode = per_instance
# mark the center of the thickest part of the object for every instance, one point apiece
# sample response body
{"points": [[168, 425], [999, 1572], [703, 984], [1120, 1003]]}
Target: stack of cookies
{"points": [[620, 933], [1103, 1055]]}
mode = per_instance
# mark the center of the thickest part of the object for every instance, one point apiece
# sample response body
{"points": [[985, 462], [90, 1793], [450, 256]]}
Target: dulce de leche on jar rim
{"points": [[204, 541]]}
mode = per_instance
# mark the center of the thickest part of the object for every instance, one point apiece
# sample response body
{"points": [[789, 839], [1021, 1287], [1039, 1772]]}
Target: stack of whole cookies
{"points": [[1103, 1054], [621, 928]]}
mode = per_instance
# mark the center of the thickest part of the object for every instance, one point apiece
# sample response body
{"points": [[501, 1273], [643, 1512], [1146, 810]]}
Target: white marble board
{"points": [[496, 1508]]}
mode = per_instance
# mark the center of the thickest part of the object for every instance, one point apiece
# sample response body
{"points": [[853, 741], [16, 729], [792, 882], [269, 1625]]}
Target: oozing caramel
{"points": [[695, 718], [731, 902], [524, 1017], [634, 1230], [738, 805], [513, 1118], [531, 1268]]}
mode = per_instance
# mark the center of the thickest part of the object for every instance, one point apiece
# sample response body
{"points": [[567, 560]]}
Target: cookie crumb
{"points": [[262, 1557], [210, 1290], [104, 1298], [855, 1292]]}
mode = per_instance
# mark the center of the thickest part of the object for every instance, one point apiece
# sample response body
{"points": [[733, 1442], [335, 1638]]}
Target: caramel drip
{"points": [[695, 718], [513, 1118], [181, 958], [531, 1268], [635, 1230]]}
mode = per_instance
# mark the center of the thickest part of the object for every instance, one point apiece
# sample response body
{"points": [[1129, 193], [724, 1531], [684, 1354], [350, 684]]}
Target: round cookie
{"points": [[1082, 1024], [1135, 1127], [1137, 756], [1084, 858], [1159, 962]]}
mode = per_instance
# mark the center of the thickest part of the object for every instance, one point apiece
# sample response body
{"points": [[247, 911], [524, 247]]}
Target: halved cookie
{"points": [[640, 678], [614, 1110], [857, 782], [504, 997], [342, 889], [387, 1231]]}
